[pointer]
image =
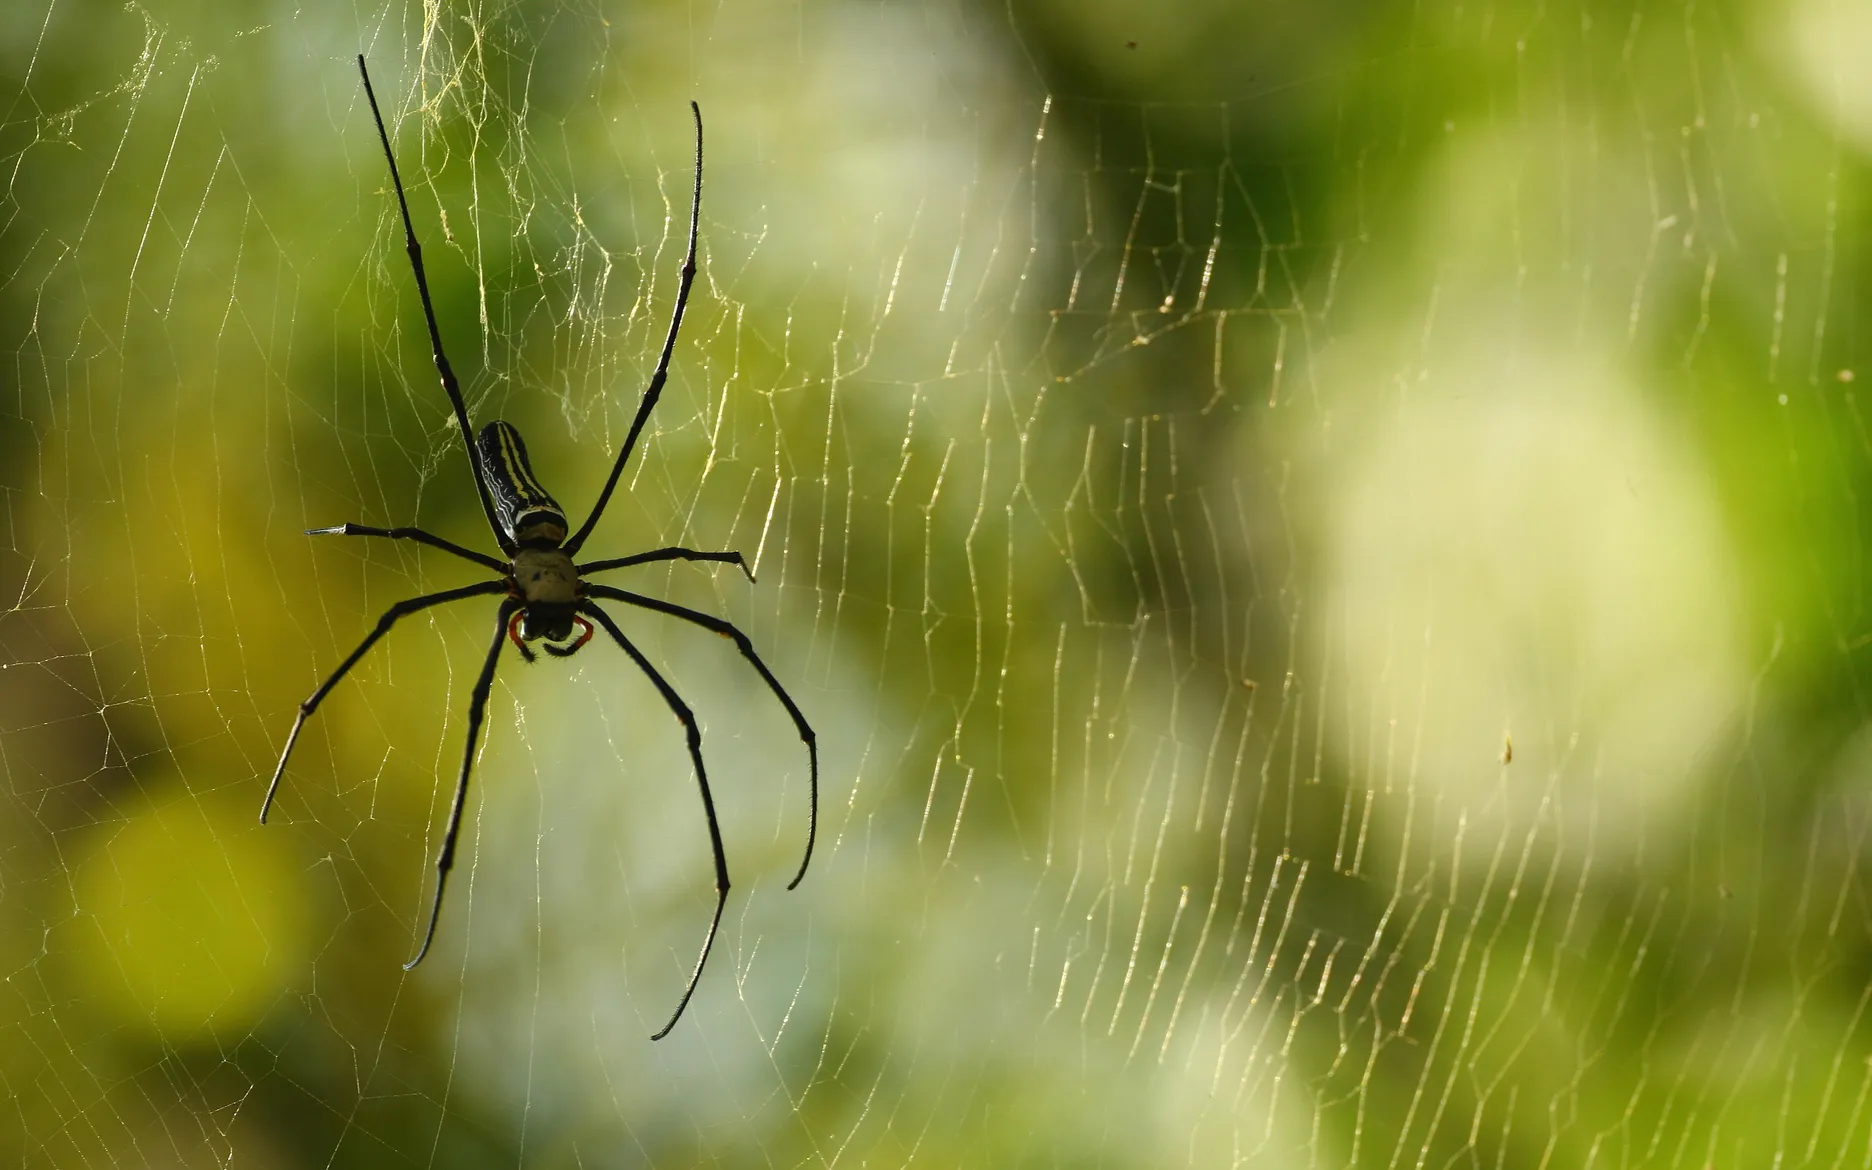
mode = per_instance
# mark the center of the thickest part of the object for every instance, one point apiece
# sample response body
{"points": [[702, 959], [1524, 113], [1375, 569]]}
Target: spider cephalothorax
{"points": [[544, 596]]}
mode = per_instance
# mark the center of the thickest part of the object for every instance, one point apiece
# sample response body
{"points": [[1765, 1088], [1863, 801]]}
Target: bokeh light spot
{"points": [[197, 923]]}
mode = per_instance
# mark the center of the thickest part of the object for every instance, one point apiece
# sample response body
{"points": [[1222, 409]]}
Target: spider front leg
{"points": [[728, 630], [399, 610], [477, 708], [694, 734]]}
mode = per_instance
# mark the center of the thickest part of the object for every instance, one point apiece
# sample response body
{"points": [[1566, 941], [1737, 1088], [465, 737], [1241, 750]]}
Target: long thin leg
{"points": [[442, 366], [399, 610], [728, 630], [668, 554], [687, 718], [655, 389], [477, 707], [415, 534]]}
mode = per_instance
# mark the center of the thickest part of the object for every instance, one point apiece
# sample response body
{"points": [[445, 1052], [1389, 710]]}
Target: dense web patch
{"points": [[1323, 551]]}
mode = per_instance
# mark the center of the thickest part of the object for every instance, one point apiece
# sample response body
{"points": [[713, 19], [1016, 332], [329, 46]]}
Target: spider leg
{"points": [[399, 610], [728, 630], [668, 554], [449, 384], [694, 734], [477, 707], [655, 389], [415, 534]]}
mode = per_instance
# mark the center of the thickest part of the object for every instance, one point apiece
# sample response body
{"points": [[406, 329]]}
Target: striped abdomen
{"points": [[525, 509]]}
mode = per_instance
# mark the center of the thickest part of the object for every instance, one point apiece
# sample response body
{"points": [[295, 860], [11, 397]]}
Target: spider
{"points": [[544, 594]]}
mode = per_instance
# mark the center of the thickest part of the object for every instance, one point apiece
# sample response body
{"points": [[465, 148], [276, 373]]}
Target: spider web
{"points": [[1322, 545]]}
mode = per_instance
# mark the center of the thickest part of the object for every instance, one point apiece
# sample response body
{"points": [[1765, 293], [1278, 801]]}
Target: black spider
{"points": [[544, 594]]}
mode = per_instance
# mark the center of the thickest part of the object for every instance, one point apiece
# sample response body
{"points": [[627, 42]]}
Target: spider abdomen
{"points": [[526, 510]]}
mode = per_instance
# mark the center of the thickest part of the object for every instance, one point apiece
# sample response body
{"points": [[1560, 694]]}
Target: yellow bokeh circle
{"points": [[188, 922]]}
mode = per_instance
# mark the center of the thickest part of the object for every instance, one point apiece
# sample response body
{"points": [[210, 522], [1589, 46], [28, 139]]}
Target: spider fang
{"points": [[516, 633]]}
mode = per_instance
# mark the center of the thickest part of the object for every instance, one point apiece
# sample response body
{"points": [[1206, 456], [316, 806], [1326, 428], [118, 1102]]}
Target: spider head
{"points": [[541, 620], [554, 623]]}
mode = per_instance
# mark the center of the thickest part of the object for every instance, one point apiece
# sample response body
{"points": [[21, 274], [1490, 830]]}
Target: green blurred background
{"points": [[1323, 543]]}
